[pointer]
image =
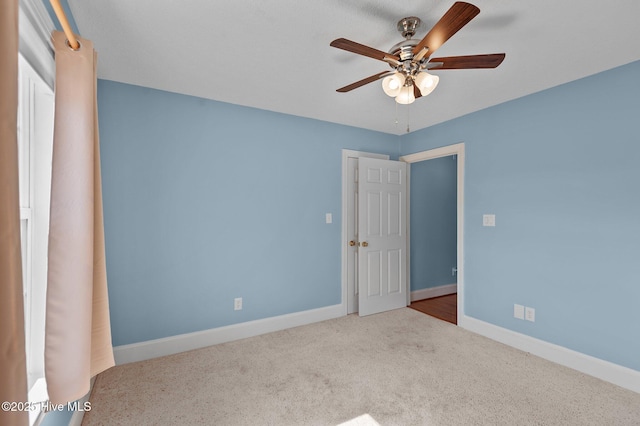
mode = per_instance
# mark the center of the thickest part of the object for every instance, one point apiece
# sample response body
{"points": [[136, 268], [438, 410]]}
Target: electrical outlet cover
{"points": [[518, 311], [530, 314]]}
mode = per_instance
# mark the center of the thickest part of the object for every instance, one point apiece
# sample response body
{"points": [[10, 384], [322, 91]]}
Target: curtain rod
{"points": [[71, 38]]}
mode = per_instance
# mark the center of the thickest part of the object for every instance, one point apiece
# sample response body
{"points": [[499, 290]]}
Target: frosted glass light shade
{"points": [[426, 82], [393, 84], [406, 95]]}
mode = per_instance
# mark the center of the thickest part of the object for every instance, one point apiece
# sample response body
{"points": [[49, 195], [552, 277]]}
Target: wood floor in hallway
{"points": [[443, 307]]}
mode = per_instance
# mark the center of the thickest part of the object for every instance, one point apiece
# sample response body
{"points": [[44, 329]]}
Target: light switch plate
{"points": [[488, 220], [328, 218]]}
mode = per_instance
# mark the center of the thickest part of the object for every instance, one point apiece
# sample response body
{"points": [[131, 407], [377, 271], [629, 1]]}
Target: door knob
{"points": [[364, 244], [352, 243]]}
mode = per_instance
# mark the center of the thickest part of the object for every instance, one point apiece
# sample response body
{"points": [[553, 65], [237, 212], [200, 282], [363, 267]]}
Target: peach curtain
{"points": [[78, 333], [13, 379]]}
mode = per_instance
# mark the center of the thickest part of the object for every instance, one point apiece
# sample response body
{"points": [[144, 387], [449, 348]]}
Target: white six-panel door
{"points": [[382, 281]]}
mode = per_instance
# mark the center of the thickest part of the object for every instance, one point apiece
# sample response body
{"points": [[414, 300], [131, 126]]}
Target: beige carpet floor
{"points": [[399, 368]]}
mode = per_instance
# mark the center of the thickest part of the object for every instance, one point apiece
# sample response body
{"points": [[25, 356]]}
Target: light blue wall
{"points": [[192, 221], [433, 222], [205, 202], [561, 171]]}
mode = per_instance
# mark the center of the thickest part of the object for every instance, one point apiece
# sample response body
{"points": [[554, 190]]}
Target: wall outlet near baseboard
{"points": [[237, 304], [530, 314], [518, 311]]}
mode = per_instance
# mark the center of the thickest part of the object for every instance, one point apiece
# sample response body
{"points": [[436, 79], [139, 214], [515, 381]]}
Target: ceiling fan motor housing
{"points": [[408, 26], [404, 49]]}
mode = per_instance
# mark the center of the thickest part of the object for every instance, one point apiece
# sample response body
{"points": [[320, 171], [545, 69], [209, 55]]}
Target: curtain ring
{"points": [[69, 45]]}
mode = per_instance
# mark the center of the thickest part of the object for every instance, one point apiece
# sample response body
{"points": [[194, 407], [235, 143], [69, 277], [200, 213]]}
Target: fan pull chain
{"points": [[394, 101], [408, 117]]}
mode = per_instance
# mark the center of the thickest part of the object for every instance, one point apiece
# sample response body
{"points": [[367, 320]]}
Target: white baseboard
{"points": [[185, 342], [428, 293], [610, 372], [604, 370]]}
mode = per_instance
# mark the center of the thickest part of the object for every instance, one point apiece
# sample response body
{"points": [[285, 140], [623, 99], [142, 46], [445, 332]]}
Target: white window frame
{"points": [[35, 143]]}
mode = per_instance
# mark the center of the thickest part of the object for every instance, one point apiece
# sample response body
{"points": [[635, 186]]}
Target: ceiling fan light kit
{"points": [[406, 95], [411, 58], [393, 84], [426, 82]]}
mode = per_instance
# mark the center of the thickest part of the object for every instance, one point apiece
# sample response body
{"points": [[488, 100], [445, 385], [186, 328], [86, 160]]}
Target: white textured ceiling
{"points": [[275, 54]]}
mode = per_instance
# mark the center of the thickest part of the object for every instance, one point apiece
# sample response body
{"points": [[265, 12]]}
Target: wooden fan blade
{"points": [[468, 62], [456, 17], [364, 81], [361, 49]]}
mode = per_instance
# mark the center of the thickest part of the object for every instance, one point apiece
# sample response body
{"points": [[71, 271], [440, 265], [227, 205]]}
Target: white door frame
{"points": [[458, 150], [347, 153]]}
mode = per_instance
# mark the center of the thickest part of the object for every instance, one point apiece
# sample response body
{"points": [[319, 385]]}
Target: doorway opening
{"points": [[433, 237], [349, 275], [456, 150]]}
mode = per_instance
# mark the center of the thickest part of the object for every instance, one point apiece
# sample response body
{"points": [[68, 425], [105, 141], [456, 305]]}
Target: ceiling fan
{"points": [[410, 58]]}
